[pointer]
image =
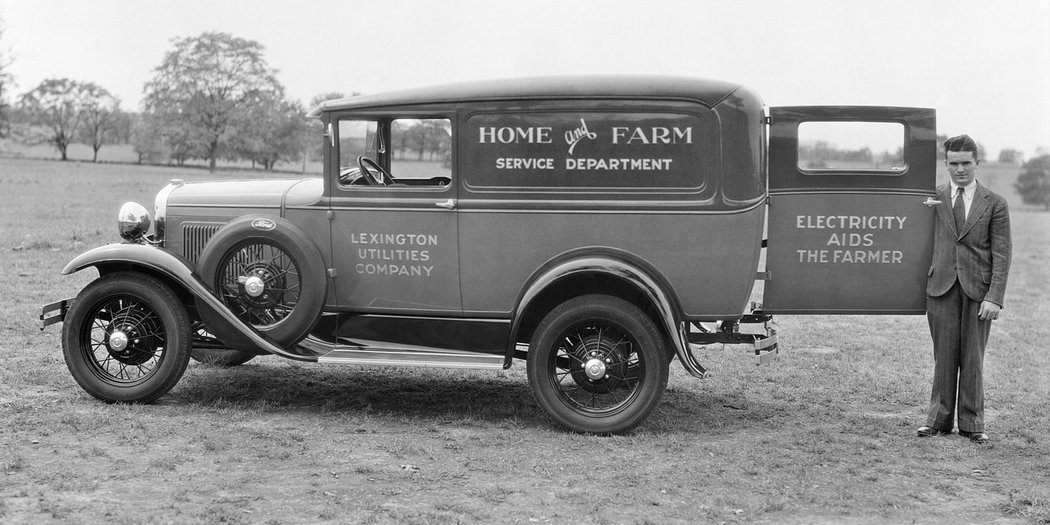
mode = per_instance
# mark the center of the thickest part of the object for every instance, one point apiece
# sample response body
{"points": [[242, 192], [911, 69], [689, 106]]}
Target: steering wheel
{"points": [[376, 174]]}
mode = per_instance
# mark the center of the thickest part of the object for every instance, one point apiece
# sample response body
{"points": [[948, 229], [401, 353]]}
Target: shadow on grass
{"points": [[433, 396]]}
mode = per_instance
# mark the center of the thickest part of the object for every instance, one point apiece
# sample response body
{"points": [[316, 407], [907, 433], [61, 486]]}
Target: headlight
{"points": [[160, 206], [133, 221]]}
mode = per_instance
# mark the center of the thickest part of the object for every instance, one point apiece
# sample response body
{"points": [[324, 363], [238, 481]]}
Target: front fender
{"points": [[132, 254], [178, 270], [623, 270]]}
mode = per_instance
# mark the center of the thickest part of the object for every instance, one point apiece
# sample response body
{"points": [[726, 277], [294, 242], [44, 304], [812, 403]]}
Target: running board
{"points": [[384, 355]]}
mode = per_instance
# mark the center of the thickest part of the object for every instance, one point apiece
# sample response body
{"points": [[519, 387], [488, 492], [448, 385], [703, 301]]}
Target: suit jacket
{"points": [[979, 255]]}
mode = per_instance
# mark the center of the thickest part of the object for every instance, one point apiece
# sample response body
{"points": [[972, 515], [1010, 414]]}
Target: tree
{"points": [[315, 149], [59, 106], [147, 139], [101, 117], [6, 80], [1033, 184], [205, 86], [333, 95], [438, 139], [1010, 156], [272, 131]]}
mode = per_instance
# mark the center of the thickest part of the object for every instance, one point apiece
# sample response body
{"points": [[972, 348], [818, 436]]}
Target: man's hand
{"points": [[988, 311]]}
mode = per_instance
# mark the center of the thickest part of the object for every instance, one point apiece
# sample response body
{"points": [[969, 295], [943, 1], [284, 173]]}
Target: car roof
{"points": [[705, 91]]}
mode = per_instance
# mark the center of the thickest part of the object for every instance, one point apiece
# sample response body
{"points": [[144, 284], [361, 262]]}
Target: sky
{"points": [[984, 66]]}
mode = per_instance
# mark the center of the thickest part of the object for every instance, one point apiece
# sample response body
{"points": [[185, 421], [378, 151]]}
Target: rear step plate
{"points": [[433, 358]]}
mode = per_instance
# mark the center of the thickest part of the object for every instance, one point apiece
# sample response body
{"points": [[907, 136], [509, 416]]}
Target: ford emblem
{"points": [[264, 224]]}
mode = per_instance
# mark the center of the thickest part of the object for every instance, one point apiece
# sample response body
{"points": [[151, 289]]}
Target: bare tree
{"points": [[205, 86], [101, 117]]}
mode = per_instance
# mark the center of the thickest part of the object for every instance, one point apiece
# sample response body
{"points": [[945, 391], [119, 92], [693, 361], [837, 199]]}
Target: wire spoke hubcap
{"points": [[254, 286], [127, 340], [118, 341], [260, 283], [594, 368], [597, 368]]}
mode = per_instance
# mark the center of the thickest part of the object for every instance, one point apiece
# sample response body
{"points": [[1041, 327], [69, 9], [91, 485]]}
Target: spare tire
{"points": [[268, 274]]}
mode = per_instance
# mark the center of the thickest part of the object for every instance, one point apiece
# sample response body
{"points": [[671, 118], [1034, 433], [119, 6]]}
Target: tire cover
{"points": [[289, 238]]}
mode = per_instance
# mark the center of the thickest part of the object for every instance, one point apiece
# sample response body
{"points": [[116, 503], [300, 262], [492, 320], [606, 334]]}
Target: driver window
{"points": [[421, 151], [356, 138], [407, 152]]}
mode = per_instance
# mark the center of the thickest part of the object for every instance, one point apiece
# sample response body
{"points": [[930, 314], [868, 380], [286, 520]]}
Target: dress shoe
{"points": [[925, 432], [975, 437]]}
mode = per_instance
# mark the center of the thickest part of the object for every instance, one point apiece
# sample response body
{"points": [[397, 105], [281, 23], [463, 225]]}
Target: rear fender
{"points": [[609, 265], [131, 256]]}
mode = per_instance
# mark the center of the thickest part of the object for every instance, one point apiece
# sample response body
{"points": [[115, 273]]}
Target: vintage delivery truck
{"points": [[595, 228]]}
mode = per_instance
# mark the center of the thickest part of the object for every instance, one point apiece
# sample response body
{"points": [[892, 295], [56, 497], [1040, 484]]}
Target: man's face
{"points": [[962, 166]]}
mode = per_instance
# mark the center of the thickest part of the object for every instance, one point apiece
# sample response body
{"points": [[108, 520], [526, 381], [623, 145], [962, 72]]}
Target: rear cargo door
{"points": [[849, 228]]}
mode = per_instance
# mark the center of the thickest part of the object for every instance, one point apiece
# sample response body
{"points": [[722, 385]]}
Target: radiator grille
{"points": [[194, 237]]}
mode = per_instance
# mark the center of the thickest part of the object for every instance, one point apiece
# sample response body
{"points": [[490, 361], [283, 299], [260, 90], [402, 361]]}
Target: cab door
{"points": [[850, 230], [395, 236]]}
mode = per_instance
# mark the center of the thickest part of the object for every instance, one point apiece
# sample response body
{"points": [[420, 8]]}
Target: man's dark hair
{"points": [[961, 143]]}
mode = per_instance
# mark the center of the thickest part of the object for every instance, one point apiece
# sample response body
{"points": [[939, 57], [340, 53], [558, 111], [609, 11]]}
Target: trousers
{"points": [[959, 340]]}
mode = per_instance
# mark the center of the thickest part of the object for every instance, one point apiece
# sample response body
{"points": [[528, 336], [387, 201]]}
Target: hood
{"points": [[250, 193]]}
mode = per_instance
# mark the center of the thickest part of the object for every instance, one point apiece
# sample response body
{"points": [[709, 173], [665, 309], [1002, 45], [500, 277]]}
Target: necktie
{"points": [[959, 209]]}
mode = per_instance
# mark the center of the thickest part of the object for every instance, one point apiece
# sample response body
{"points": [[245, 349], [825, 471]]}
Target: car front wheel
{"points": [[597, 364], [126, 338]]}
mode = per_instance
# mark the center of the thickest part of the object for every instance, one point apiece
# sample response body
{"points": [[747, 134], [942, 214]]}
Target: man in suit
{"points": [[967, 281]]}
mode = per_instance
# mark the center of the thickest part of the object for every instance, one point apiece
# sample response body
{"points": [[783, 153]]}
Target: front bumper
{"points": [[54, 312]]}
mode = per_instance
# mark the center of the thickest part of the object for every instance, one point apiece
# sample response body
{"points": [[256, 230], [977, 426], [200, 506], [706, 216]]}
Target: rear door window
{"points": [[851, 146]]}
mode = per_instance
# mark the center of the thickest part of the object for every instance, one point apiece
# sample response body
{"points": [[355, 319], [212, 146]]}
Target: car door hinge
{"points": [[332, 273], [767, 120], [331, 215]]}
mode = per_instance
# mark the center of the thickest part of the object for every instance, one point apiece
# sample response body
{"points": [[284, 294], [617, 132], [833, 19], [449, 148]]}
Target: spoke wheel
{"points": [[126, 338], [269, 275], [259, 282], [597, 364]]}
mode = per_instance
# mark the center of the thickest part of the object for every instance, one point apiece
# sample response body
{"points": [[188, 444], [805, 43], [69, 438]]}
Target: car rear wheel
{"points": [[597, 364], [126, 338]]}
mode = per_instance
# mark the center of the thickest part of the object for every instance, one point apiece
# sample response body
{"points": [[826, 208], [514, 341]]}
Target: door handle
{"points": [[931, 202], [448, 205]]}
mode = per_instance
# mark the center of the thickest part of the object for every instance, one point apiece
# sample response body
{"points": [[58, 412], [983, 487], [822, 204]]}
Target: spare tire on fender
{"points": [[266, 271]]}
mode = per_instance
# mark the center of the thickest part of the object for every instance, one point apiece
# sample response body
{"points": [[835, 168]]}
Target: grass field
{"points": [[125, 154], [827, 435]]}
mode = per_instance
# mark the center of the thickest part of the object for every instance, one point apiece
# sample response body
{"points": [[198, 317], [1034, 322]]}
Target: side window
{"points": [[606, 152], [851, 146], [356, 138], [421, 151], [398, 153]]}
